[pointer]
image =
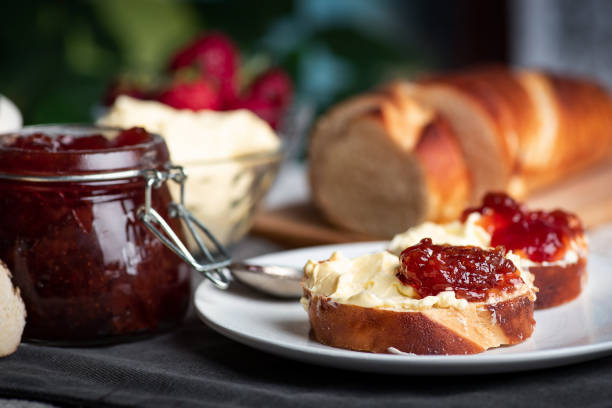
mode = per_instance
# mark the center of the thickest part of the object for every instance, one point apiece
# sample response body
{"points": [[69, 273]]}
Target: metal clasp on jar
{"points": [[213, 269]]}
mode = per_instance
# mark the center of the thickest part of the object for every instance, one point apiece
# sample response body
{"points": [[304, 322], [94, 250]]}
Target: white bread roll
{"points": [[12, 313]]}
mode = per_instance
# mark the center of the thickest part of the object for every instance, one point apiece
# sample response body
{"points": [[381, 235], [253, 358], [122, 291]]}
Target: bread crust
{"points": [[491, 114], [503, 99], [559, 284], [444, 169], [575, 127], [430, 331]]}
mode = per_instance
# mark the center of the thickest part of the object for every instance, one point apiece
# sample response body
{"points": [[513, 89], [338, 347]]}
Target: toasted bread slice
{"points": [[561, 281], [478, 327], [558, 284], [361, 304]]}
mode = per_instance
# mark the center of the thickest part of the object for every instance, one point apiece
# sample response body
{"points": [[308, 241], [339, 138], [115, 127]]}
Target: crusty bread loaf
{"points": [[380, 163], [476, 328], [12, 313], [497, 130]]}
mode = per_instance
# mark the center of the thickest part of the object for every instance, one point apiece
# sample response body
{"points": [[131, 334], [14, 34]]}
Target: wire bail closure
{"points": [[213, 269]]}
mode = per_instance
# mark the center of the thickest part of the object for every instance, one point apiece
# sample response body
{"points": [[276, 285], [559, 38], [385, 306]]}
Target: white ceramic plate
{"points": [[578, 331]]}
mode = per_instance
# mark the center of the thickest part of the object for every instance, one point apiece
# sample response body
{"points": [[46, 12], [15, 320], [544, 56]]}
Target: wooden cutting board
{"points": [[589, 194]]}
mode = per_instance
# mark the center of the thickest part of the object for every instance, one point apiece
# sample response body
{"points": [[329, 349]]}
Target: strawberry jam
{"points": [[538, 235], [63, 142], [473, 273], [89, 270]]}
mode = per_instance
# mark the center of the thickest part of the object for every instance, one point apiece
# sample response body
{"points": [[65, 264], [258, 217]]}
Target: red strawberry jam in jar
{"points": [[76, 206]]}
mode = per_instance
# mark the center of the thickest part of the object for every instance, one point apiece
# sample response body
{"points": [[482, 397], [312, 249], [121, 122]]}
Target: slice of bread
{"points": [[12, 313], [362, 305], [559, 284], [435, 330], [561, 281]]}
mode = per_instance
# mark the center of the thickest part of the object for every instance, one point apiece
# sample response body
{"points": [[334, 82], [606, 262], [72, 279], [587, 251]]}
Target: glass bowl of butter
{"points": [[231, 159]]}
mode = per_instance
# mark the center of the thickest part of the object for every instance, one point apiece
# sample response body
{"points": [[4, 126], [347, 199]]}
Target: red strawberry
{"points": [[131, 137], [273, 86], [268, 96], [216, 57], [265, 110], [122, 87], [196, 95]]}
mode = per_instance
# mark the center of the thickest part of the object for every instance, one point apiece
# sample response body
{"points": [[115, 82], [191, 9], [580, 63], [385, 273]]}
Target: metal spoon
{"points": [[278, 281]]}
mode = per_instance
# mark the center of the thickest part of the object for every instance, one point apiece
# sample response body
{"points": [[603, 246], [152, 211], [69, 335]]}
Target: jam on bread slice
{"points": [[432, 299], [552, 244]]}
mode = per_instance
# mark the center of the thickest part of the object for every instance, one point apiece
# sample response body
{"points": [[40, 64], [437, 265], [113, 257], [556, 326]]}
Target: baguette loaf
{"points": [[496, 130]]}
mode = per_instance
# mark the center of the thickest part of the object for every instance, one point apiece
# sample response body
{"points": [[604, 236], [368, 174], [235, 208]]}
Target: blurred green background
{"points": [[57, 57]]}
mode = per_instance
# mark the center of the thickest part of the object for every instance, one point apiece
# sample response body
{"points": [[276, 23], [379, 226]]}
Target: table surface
{"points": [[195, 366]]}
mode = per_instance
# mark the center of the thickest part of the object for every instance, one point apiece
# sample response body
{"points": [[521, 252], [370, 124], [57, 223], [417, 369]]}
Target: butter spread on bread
{"points": [[362, 304]]}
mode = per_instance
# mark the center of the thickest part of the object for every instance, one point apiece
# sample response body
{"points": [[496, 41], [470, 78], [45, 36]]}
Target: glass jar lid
{"points": [[52, 150]]}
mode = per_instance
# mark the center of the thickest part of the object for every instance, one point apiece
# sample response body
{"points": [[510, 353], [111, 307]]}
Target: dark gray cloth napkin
{"points": [[194, 366]]}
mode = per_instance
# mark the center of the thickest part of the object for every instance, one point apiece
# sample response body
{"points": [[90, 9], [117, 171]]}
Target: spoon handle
{"points": [[278, 281]]}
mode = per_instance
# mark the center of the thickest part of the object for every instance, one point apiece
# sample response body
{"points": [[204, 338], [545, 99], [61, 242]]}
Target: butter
{"points": [[453, 233], [370, 281], [195, 136], [209, 144]]}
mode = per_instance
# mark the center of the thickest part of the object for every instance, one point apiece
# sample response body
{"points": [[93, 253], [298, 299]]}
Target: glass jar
{"points": [[88, 267]]}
